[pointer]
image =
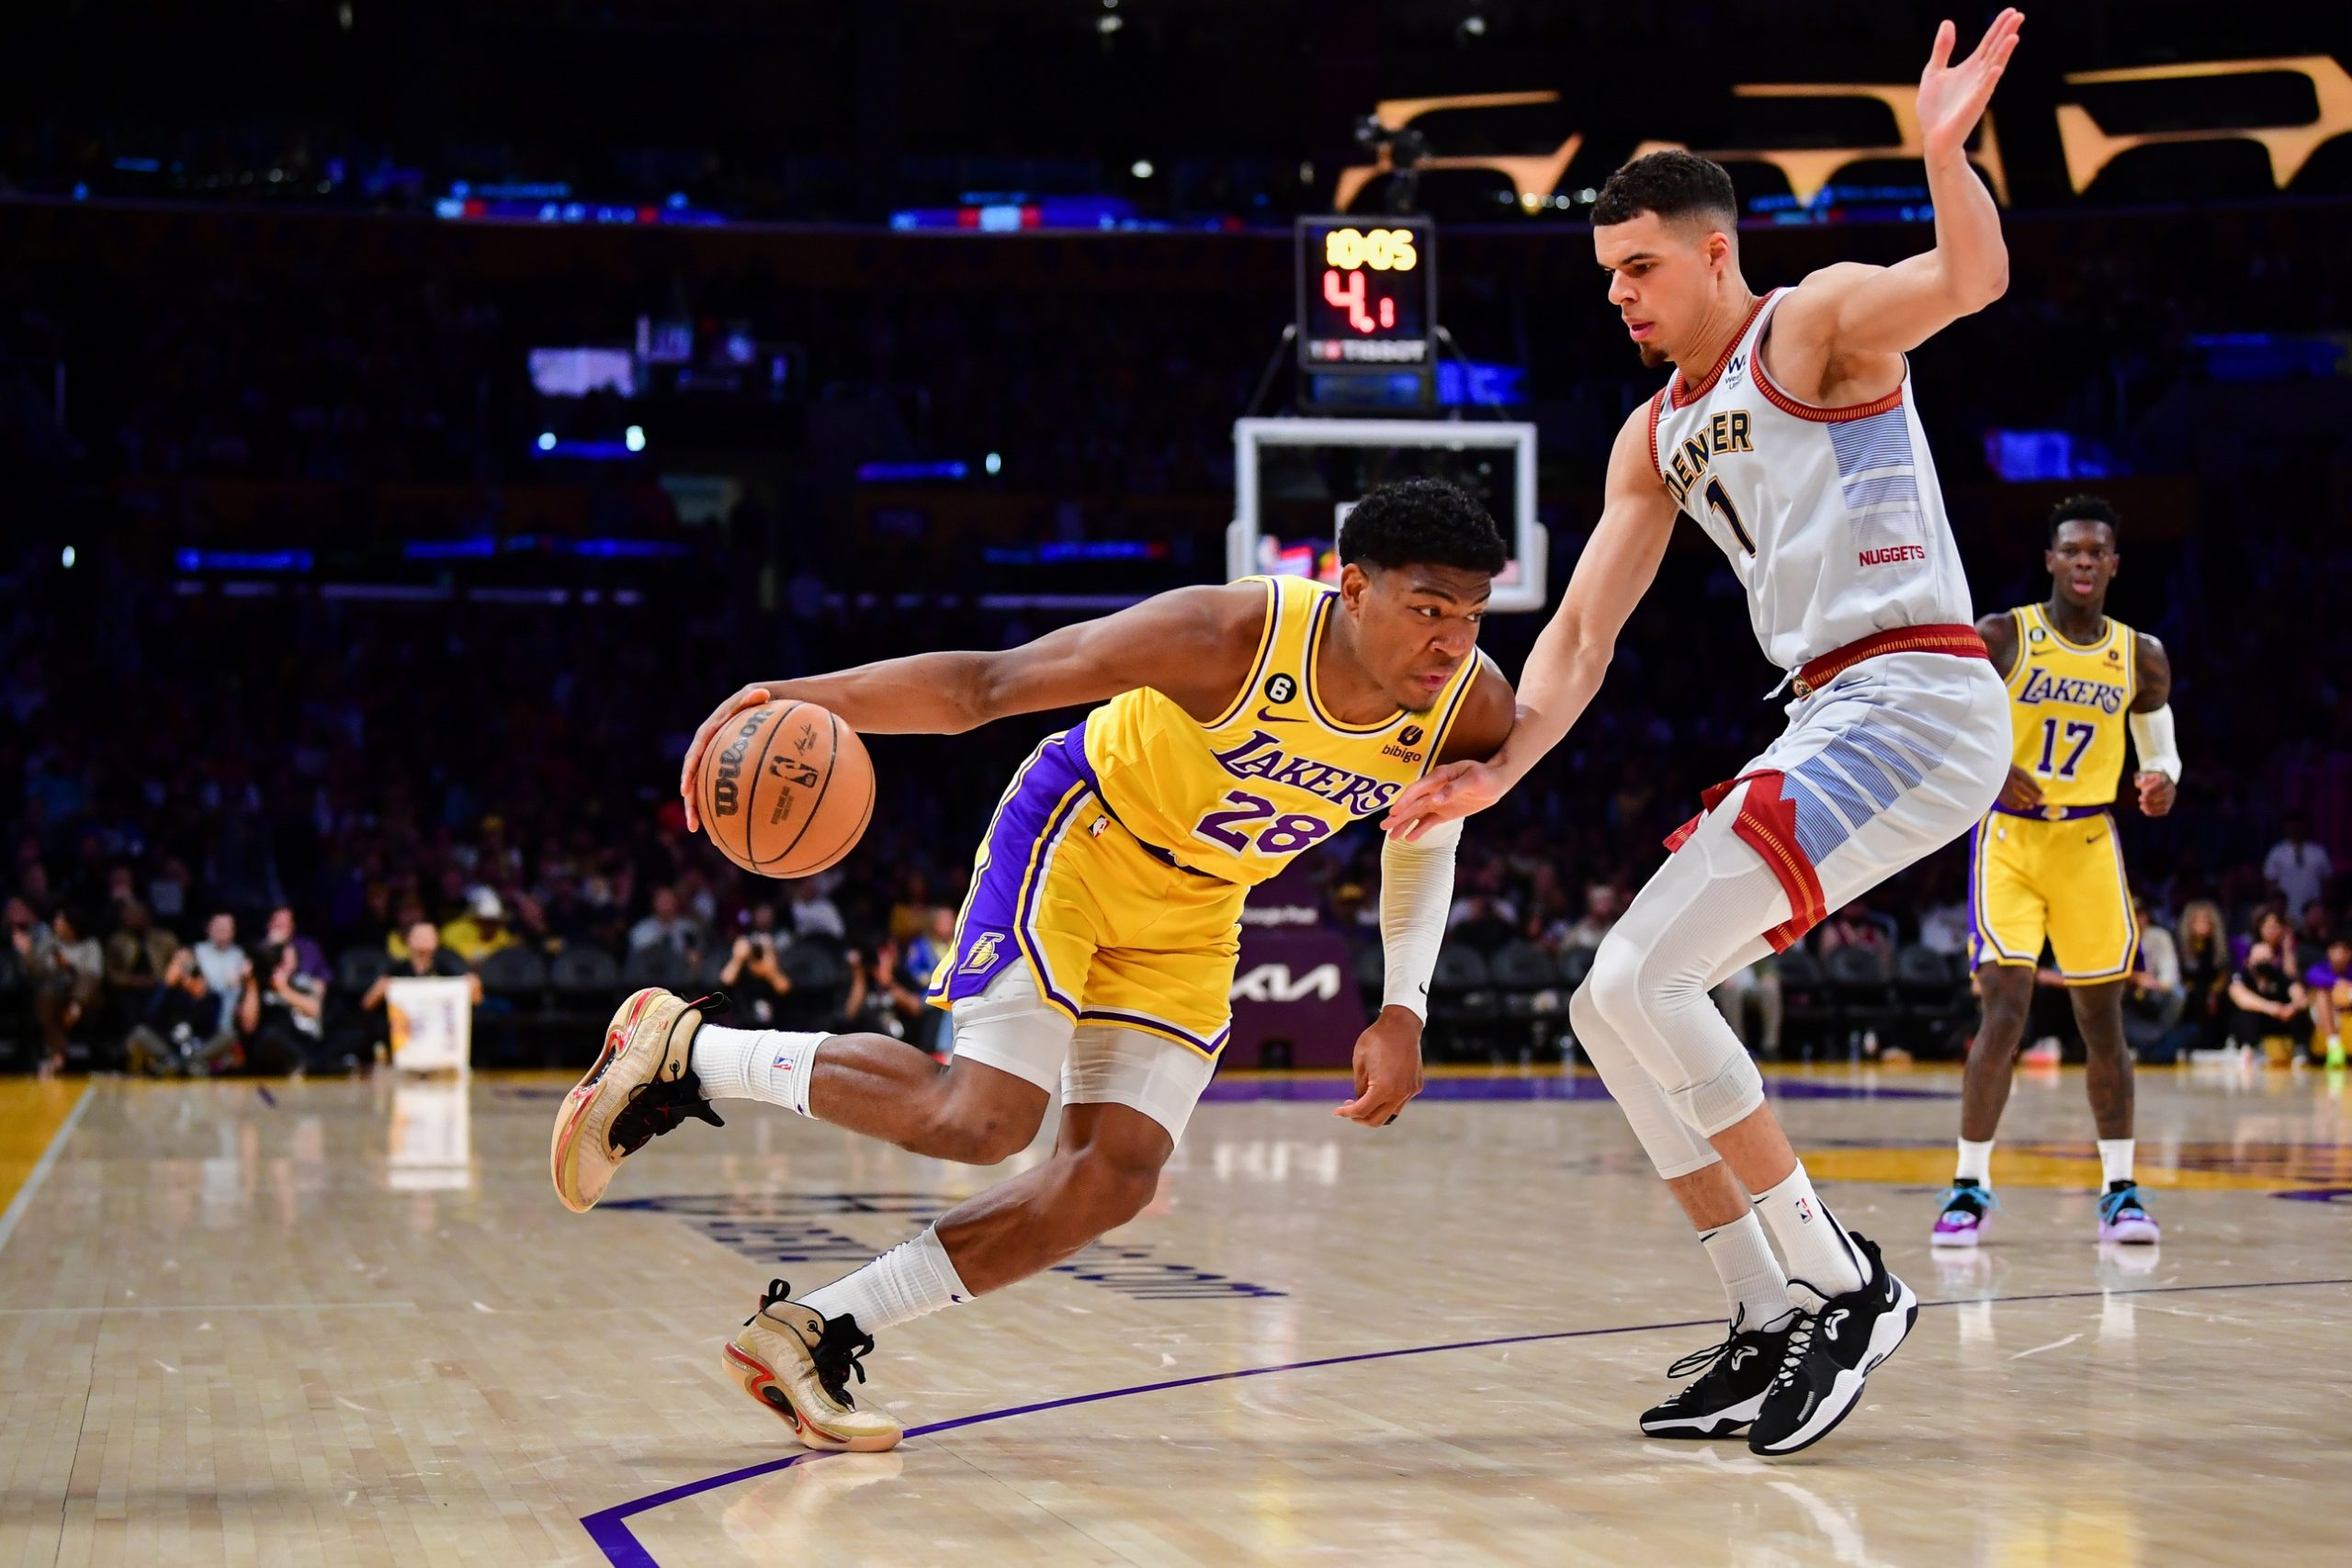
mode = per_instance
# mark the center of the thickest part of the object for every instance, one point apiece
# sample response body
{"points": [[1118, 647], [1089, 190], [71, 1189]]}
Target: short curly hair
{"points": [[2087, 509], [1672, 184], [1422, 522]]}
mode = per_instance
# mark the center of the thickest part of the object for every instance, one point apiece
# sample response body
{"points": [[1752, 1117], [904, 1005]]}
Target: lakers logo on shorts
{"points": [[983, 954]]}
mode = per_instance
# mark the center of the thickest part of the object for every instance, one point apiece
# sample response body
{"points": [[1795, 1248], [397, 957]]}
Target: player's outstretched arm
{"points": [[1850, 311], [1573, 652], [1189, 643]]}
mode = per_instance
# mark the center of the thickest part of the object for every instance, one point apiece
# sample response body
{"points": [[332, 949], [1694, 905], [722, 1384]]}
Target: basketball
{"points": [[786, 790]]}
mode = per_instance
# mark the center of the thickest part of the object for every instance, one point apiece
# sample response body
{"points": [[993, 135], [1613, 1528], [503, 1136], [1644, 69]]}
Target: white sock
{"points": [[2115, 1160], [1812, 1240], [1976, 1163], [1753, 1284], [911, 1279], [756, 1064]]}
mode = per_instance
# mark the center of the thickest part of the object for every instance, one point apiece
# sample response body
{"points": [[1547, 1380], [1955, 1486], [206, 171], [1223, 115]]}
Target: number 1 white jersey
{"points": [[1832, 518]]}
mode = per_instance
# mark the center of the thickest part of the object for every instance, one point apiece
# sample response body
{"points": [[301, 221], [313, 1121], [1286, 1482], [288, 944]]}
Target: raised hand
{"points": [[1952, 97]]}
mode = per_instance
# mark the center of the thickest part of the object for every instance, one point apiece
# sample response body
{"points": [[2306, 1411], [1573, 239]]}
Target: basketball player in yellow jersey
{"points": [[1240, 724], [2045, 862]]}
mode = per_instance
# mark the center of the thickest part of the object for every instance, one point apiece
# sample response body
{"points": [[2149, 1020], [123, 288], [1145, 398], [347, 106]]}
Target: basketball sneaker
{"points": [[797, 1363], [1733, 1378], [1961, 1223], [1830, 1351], [2123, 1217], [642, 1085]]}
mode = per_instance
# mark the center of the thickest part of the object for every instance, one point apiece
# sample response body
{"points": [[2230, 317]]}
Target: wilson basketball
{"points": [[786, 790]]}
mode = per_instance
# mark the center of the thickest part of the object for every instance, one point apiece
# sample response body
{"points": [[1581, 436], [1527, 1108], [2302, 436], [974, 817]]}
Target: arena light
{"points": [[67, 558], [1140, 168], [546, 440], [995, 463], [634, 438]]}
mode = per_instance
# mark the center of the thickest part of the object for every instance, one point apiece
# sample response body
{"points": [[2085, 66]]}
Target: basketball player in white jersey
{"points": [[1788, 434]]}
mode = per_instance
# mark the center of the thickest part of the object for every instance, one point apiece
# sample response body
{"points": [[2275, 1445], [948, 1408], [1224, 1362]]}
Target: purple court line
{"points": [[609, 1527]]}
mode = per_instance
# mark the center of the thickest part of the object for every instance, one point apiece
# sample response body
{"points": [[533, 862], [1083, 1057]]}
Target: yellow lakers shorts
{"points": [[1111, 933], [2061, 878]]}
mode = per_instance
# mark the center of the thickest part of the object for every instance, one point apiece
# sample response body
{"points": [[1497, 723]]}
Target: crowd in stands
{"points": [[208, 801], [440, 786]]}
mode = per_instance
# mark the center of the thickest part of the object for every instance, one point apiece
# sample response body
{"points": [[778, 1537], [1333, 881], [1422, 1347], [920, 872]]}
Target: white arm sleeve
{"points": [[1415, 892], [2152, 738]]}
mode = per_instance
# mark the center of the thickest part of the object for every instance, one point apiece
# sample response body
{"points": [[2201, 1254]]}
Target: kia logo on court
{"points": [[1274, 983]]}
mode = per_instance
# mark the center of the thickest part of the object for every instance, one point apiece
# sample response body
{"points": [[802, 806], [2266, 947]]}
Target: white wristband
{"points": [[1416, 893], [2152, 736]]}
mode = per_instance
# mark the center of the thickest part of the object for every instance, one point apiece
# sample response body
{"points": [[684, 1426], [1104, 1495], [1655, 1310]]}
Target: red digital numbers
{"points": [[1345, 292]]}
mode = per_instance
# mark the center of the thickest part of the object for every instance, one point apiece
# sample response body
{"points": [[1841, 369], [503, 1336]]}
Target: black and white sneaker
{"points": [[1733, 1378], [1829, 1352]]}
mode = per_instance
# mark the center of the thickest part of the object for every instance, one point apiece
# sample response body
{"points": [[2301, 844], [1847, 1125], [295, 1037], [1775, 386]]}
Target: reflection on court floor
{"points": [[348, 1322]]}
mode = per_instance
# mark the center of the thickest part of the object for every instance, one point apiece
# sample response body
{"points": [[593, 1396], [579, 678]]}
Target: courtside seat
{"points": [[1461, 999], [1863, 982], [1808, 1010], [585, 976], [514, 973], [358, 968], [1933, 990]]}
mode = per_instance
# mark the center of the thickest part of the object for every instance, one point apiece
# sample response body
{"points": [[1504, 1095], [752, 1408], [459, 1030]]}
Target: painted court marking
{"points": [[609, 1526], [41, 1168]]}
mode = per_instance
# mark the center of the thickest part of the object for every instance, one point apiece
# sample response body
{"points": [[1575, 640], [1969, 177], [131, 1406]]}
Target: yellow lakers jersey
{"points": [[1273, 774], [2068, 704]]}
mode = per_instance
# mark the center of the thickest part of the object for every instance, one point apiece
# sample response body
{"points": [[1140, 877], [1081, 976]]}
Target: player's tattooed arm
{"points": [[1573, 651], [1838, 335], [2158, 780]]}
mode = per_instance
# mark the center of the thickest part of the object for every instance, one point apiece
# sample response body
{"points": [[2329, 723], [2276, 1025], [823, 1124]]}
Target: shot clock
{"points": [[1367, 294]]}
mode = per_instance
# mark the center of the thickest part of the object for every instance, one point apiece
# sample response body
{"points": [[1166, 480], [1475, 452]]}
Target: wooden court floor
{"points": [[348, 1323]]}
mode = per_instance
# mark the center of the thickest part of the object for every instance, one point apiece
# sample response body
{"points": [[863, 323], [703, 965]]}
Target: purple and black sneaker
{"points": [[2122, 1217], [1967, 1206]]}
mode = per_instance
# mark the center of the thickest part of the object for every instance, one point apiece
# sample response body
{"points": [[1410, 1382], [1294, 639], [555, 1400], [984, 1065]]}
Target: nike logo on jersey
{"points": [[1268, 715]]}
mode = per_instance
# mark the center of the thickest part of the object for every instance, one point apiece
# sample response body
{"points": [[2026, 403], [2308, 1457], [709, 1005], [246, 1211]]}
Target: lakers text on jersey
{"points": [[2057, 872], [1118, 859]]}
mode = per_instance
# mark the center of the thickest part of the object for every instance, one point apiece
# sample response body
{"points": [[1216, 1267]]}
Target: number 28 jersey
{"points": [[1831, 518], [1240, 796]]}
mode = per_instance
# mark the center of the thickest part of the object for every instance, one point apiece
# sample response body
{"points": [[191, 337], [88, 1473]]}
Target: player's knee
{"points": [[972, 1125], [1111, 1187], [1726, 1096], [1611, 996]]}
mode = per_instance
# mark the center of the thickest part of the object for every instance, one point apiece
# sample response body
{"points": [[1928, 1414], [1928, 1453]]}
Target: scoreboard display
{"points": [[1367, 294]]}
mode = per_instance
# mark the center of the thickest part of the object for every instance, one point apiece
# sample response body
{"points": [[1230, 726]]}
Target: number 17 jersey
{"points": [[2069, 704]]}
